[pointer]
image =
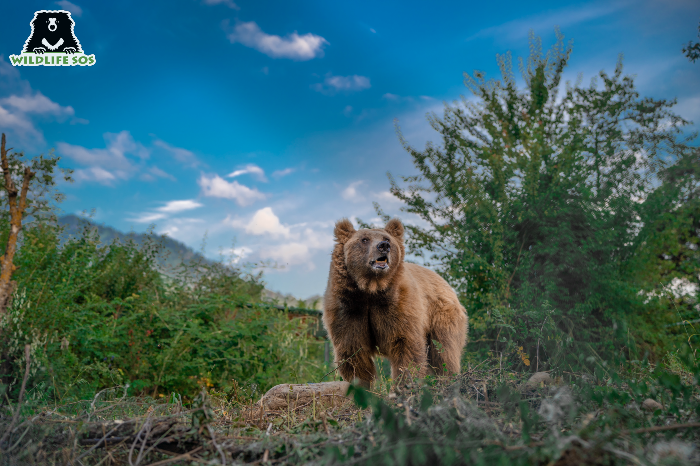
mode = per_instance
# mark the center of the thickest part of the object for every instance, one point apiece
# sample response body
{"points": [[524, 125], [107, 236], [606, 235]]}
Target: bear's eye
{"points": [[365, 240]]}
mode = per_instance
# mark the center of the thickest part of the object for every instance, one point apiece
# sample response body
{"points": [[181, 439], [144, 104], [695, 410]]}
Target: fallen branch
{"points": [[655, 429]]}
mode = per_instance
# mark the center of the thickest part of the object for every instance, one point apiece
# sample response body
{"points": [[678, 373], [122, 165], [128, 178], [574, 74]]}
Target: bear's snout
{"points": [[384, 247], [52, 24]]}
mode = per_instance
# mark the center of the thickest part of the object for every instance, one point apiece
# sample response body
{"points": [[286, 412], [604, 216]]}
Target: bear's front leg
{"points": [[408, 359]]}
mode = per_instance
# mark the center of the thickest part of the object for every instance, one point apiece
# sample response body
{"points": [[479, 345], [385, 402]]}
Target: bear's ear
{"points": [[343, 230], [395, 228]]}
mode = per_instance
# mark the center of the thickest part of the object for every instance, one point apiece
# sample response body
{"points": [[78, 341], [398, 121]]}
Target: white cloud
{"points": [[288, 254], [282, 173], [228, 3], [179, 206], [239, 253], [332, 84], [293, 46], [264, 222], [347, 111], [299, 251], [253, 169], [184, 156], [351, 194], [72, 7], [217, 187]]}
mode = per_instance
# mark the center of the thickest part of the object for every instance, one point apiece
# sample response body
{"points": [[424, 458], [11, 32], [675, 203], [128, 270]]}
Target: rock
{"points": [[539, 377], [282, 395], [651, 405]]}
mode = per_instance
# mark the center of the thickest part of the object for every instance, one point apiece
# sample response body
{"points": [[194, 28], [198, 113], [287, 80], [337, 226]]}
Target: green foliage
{"points": [[692, 50], [556, 212], [100, 315]]}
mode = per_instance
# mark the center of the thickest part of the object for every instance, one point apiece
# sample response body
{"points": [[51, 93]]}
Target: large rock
{"points": [[539, 378], [651, 405], [283, 395]]}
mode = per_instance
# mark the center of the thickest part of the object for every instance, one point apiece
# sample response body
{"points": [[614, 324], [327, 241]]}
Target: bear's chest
{"points": [[379, 313]]}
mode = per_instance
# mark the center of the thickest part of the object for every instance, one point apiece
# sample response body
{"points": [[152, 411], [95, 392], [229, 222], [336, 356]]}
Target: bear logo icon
{"points": [[52, 31]]}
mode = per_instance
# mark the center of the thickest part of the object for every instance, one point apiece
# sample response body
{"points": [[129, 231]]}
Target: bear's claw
{"points": [[39, 50], [69, 50]]}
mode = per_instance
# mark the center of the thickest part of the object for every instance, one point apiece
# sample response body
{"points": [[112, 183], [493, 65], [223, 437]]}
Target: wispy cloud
{"points": [[72, 7], [183, 156], [154, 173], [37, 104], [217, 187], [293, 46], [332, 84], [519, 28], [282, 173], [20, 105], [179, 206], [108, 164], [171, 207], [149, 217], [252, 169], [228, 3]]}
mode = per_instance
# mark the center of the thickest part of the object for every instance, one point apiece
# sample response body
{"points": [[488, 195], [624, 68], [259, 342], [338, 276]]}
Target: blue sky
{"points": [[262, 123]]}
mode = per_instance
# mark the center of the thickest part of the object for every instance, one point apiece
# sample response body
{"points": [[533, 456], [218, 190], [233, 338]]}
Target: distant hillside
{"points": [[175, 252]]}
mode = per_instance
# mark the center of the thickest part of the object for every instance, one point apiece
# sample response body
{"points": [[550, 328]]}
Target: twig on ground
{"points": [[186, 456]]}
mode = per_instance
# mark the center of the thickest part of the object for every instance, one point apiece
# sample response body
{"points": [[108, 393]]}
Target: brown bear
{"points": [[377, 303]]}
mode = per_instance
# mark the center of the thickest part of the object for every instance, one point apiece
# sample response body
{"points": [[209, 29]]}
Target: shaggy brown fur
{"points": [[376, 303]]}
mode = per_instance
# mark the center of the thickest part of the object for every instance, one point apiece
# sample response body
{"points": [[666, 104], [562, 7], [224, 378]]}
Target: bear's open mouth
{"points": [[380, 263]]}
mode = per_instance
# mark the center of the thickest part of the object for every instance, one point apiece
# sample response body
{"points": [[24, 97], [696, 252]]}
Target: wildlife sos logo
{"points": [[52, 42]]}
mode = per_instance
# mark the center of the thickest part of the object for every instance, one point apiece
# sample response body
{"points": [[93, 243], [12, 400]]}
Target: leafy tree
{"points": [[692, 50], [539, 203], [27, 187]]}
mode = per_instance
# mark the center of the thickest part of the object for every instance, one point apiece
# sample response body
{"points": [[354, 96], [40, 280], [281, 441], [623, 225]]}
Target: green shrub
{"points": [[99, 316]]}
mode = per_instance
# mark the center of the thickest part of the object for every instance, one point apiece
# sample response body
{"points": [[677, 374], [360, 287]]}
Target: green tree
{"points": [[545, 198], [692, 50]]}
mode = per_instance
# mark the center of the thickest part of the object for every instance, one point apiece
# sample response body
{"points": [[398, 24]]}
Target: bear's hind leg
{"points": [[449, 330]]}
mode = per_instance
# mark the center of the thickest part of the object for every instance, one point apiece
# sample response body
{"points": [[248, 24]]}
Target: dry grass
{"points": [[112, 429]]}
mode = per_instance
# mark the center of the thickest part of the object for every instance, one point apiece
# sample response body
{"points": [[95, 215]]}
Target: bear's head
{"points": [[372, 257]]}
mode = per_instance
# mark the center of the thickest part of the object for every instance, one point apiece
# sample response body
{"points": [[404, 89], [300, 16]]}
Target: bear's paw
{"points": [[39, 50], [70, 50]]}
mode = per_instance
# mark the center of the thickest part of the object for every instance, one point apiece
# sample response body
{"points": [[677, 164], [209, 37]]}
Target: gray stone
{"points": [[283, 395], [651, 405], [537, 379]]}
